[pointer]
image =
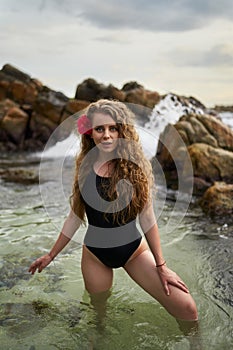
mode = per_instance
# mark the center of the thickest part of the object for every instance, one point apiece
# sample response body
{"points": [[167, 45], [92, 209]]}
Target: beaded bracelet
{"points": [[161, 264]]}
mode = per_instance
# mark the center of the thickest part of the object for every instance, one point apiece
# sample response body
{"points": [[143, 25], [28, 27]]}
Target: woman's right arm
{"points": [[71, 224]]}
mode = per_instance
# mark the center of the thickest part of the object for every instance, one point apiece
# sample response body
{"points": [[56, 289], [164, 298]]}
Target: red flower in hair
{"points": [[84, 125]]}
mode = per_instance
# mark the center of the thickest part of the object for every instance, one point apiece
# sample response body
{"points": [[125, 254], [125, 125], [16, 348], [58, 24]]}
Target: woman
{"points": [[112, 187]]}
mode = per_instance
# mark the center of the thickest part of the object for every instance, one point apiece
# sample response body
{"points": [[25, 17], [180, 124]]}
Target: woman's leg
{"points": [[97, 277], [181, 305], [98, 281], [142, 270]]}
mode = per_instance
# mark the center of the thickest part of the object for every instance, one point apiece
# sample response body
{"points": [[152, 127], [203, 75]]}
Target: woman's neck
{"points": [[105, 157], [103, 168]]}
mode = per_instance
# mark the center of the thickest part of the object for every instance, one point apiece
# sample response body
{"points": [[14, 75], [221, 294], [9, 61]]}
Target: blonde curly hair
{"points": [[129, 163]]}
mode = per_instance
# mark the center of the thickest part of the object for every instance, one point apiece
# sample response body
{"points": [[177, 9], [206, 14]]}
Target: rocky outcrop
{"points": [[218, 200], [222, 108], [131, 92], [30, 111], [200, 146]]}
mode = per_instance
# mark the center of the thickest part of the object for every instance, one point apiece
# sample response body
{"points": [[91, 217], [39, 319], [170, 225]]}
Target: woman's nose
{"points": [[106, 134]]}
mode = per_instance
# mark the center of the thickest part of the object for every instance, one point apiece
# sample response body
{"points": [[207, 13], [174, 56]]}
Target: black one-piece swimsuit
{"points": [[112, 243]]}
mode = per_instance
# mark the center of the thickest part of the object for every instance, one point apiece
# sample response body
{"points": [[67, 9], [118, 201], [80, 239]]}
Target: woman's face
{"points": [[104, 132]]}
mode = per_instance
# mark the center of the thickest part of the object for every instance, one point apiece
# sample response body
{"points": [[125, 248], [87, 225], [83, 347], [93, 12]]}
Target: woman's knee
{"points": [[181, 305], [100, 297], [192, 308], [189, 310]]}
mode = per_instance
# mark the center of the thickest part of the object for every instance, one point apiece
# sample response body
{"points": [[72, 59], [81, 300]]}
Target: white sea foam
{"points": [[169, 110], [227, 118], [62, 149]]}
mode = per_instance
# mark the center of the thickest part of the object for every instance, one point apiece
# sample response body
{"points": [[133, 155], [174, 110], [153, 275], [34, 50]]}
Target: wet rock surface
{"points": [[208, 143]]}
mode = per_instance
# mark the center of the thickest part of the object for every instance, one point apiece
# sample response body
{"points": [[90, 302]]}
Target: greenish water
{"points": [[52, 311]]}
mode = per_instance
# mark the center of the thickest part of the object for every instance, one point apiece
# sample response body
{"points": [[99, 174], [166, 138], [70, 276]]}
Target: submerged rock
{"points": [[23, 176]]}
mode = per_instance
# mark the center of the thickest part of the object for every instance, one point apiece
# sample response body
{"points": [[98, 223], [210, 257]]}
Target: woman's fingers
{"points": [[36, 265], [33, 267], [181, 285], [40, 264], [167, 291]]}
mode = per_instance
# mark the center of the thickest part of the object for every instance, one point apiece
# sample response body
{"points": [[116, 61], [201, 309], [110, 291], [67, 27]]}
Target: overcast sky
{"points": [[181, 46]]}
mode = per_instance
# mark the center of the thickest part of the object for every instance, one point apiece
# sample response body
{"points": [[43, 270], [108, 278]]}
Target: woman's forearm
{"points": [[60, 244], [69, 228]]}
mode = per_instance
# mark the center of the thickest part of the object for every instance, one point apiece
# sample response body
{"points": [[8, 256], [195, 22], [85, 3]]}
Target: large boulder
{"points": [[18, 86], [218, 200], [91, 90], [13, 121], [210, 163]]}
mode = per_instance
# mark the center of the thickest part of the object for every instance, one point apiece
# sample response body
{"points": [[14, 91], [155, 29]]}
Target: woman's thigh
{"points": [[142, 270], [97, 277]]}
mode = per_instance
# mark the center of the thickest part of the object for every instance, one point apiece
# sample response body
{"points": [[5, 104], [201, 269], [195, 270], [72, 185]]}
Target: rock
{"points": [[4, 85], [115, 94], [29, 111], [50, 104], [196, 128], [5, 105], [91, 90], [13, 121], [218, 200], [222, 108], [73, 106], [211, 164], [209, 144], [142, 97], [18, 86], [131, 85], [23, 176], [152, 98], [200, 185], [15, 73], [41, 127]]}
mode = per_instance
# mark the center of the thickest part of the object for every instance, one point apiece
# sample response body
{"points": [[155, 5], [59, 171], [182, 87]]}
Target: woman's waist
{"points": [[105, 237]]}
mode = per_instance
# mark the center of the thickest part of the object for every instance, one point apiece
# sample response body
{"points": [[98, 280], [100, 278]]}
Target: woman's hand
{"points": [[168, 276], [40, 264]]}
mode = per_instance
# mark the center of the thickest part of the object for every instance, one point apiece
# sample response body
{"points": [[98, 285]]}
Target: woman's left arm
{"points": [[149, 226]]}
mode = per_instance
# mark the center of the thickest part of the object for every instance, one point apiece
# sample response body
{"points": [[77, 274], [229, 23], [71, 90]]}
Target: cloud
{"points": [[164, 15], [151, 15], [220, 55], [112, 39]]}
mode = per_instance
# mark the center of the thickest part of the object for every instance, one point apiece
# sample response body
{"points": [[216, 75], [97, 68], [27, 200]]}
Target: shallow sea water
{"points": [[51, 310]]}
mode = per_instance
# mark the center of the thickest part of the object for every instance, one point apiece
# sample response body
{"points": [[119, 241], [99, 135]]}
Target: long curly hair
{"points": [[129, 164]]}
